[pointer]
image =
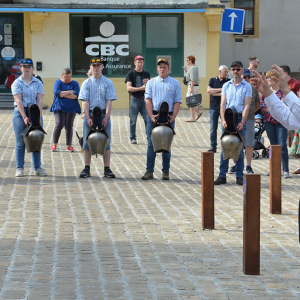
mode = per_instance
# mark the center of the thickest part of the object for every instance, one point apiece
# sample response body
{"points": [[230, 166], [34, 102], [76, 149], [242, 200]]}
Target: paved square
{"points": [[62, 237]]}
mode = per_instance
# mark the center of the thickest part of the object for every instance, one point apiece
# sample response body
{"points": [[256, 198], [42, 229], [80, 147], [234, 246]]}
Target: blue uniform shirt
{"points": [[29, 92], [235, 95], [97, 91], [159, 90]]}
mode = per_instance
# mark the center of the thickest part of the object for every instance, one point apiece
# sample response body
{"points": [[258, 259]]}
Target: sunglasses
{"points": [[238, 69], [247, 77], [27, 61], [162, 59], [98, 60]]}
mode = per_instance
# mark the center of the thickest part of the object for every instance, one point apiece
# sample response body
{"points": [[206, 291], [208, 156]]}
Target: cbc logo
{"points": [[107, 30]]}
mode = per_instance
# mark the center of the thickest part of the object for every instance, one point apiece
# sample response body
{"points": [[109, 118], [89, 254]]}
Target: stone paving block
{"points": [[98, 238]]}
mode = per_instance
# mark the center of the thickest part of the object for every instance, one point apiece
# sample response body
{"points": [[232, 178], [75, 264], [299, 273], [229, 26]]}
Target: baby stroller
{"points": [[259, 129]]}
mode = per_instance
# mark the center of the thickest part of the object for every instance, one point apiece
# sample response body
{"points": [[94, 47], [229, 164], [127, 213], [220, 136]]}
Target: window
{"points": [[11, 47], [249, 7], [119, 38]]}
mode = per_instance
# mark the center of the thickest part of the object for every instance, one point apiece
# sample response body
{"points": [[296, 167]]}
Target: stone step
{"points": [[6, 101]]}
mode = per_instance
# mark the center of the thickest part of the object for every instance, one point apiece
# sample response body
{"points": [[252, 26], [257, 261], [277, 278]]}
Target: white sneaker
{"points": [[19, 172], [40, 172]]}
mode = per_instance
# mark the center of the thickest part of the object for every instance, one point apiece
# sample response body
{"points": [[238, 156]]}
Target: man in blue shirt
{"points": [[236, 93], [162, 88], [99, 91]]}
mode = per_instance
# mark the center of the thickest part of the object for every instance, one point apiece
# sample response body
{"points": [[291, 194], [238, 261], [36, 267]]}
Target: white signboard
{"points": [[7, 29], [106, 38], [7, 40], [8, 53]]}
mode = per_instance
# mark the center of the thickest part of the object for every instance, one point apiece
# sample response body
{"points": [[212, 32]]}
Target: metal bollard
{"points": [[275, 179], [251, 230], [207, 172]]}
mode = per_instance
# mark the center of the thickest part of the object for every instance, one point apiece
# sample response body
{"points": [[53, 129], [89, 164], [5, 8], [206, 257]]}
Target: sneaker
{"points": [[232, 170], [70, 149], [239, 180], [214, 150], [133, 141], [165, 175], [268, 174], [85, 173], [249, 170], [53, 148], [40, 172], [109, 174], [286, 175], [148, 175], [19, 172], [220, 180]]}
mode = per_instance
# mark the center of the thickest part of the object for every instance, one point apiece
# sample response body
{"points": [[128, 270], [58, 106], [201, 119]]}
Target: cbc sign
{"points": [[107, 30]]}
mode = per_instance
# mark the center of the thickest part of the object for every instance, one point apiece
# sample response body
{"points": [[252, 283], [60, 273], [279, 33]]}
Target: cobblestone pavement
{"points": [[62, 237]]}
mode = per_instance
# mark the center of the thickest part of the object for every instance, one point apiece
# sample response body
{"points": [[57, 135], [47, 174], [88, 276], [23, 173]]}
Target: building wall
{"points": [[278, 40], [51, 46]]}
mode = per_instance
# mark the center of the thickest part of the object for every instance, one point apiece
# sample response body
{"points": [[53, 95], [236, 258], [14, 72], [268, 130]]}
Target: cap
{"points": [[139, 57], [237, 63], [96, 60], [247, 72], [26, 62], [163, 60]]}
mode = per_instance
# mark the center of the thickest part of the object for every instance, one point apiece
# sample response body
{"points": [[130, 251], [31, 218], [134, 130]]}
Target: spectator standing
{"points": [[253, 63], [214, 89], [193, 81], [65, 106], [136, 81], [293, 83], [276, 132]]}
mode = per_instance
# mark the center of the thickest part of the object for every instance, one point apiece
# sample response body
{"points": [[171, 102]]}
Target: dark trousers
{"points": [[62, 120]]}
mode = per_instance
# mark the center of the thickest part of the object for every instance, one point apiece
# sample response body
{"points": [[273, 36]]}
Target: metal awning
{"points": [[107, 8]]}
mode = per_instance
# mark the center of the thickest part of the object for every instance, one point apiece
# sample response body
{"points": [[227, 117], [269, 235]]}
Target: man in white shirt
{"points": [[287, 113]]}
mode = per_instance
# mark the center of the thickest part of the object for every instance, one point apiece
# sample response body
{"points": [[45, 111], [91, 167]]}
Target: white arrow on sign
{"points": [[232, 16]]}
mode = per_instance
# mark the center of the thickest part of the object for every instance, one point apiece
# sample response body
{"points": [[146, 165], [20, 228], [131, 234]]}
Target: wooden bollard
{"points": [[275, 179], [251, 230], [299, 220], [208, 209]]}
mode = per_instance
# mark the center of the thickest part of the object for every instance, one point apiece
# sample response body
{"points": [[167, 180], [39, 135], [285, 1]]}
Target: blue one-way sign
{"points": [[233, 20]]}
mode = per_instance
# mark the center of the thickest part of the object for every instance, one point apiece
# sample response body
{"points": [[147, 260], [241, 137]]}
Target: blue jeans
{"points": [[277, 135], [19, 126], [214, 121], [240, 161], [137, 106], [151, 155]]}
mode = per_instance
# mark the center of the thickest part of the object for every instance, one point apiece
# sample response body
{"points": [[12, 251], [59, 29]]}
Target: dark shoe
{"points": [[85, 173], [239, 180], [165, 175], [148, 175], [249, 170], [232, 170], [109, 174], [220, 180], [214, 150]]}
